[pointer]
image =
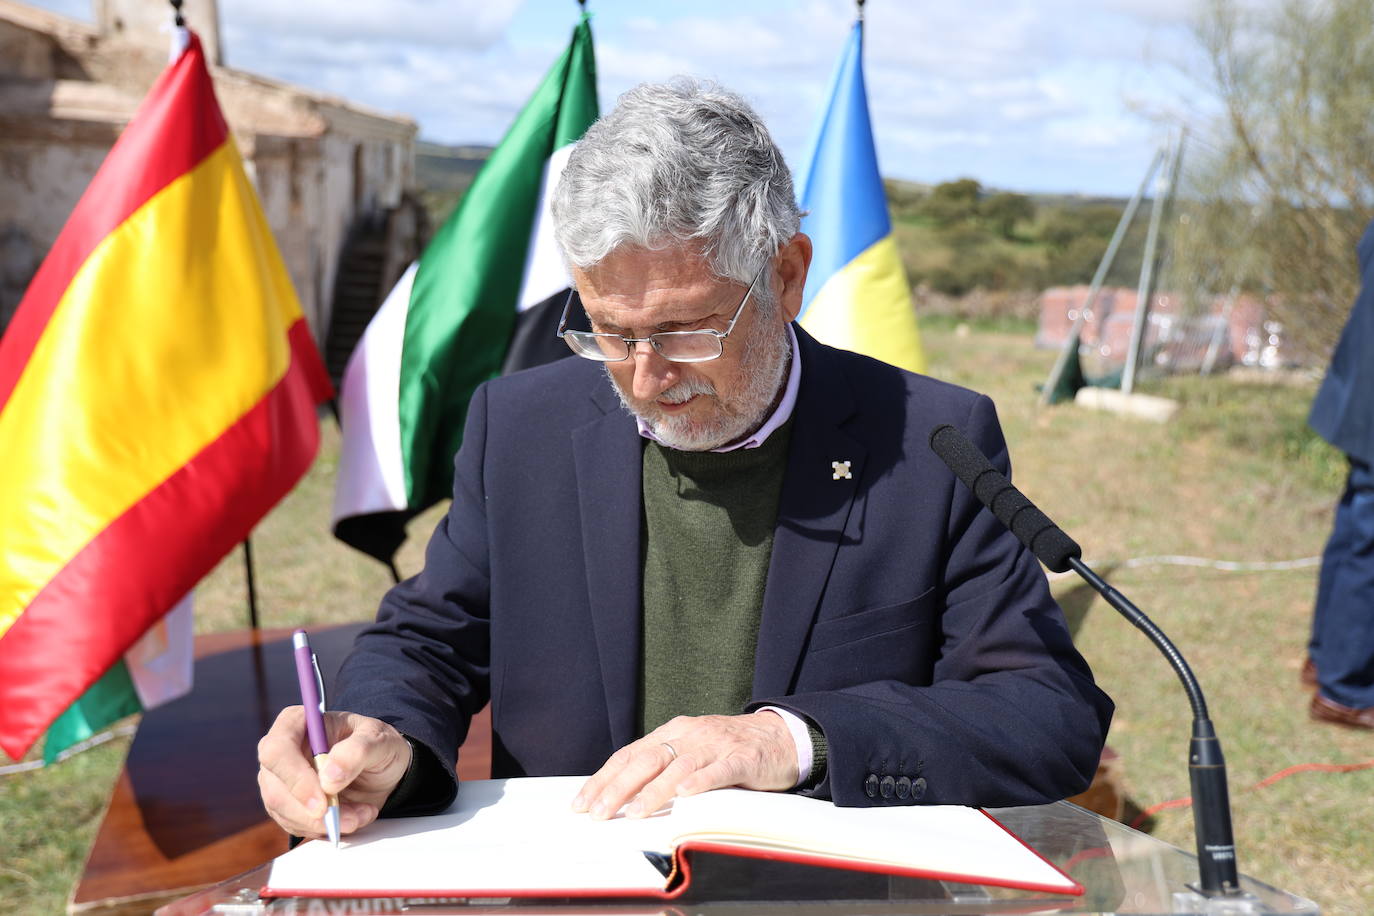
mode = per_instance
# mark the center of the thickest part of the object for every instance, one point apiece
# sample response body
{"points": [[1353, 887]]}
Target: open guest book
{"points": [[519, 838]]}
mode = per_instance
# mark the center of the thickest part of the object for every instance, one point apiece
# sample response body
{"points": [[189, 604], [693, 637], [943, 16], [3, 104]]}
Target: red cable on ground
{"points": [[1319, 767], [1266, 781]]}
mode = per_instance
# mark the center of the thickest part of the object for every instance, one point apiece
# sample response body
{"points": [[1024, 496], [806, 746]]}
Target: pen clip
{"points": [[319, 679]]}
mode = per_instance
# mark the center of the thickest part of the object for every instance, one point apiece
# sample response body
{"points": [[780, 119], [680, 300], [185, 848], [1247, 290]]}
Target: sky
{"points": [[1026, 95]]}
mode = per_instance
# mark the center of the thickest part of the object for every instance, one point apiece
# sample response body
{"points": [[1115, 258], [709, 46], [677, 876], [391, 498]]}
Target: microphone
{"points": [[1045, 539], [1216, 850]]}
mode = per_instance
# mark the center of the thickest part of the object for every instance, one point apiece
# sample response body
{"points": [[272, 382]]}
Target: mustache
{"points": [[686, 390]]}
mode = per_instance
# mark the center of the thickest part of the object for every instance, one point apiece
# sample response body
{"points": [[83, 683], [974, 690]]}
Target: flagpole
{"points": [[252, 592], [180, 37]]}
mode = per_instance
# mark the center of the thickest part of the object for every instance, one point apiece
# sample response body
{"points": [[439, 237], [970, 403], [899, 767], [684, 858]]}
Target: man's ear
{"points": [[793, 260]]}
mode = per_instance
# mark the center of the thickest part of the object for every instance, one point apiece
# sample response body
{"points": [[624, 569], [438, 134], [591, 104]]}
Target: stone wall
{"points": [[66, 90], [42, 182]]}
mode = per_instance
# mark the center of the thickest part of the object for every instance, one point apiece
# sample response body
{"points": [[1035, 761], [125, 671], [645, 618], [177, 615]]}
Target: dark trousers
{"points": [[1342, 642]]}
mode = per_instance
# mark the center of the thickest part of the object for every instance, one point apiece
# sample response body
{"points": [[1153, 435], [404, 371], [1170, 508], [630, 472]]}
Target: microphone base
{"points": [[1194, 901]]}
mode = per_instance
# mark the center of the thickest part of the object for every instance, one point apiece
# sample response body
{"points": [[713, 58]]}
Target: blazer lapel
{"points": [[608, 457], [813, 510]]}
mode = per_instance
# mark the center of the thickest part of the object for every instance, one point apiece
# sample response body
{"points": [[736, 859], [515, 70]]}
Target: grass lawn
{"points": [[1233, 477]]}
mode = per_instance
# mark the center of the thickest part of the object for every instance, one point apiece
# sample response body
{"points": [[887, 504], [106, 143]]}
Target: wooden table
{"points": [[185, 812]]}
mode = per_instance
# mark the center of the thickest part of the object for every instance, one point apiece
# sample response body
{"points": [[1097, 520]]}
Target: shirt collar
{"points": [[780, 415]]}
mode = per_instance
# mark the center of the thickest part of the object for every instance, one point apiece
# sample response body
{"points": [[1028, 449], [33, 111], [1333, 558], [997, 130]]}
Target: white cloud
{"points": [[469, 24], [457, 93]]}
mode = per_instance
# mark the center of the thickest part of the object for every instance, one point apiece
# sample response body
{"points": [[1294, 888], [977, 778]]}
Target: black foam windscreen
{"points": [[991, 487]]}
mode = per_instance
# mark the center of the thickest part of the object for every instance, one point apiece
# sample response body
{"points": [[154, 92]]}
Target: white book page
{"points": [[500, 835], [940, 839]]}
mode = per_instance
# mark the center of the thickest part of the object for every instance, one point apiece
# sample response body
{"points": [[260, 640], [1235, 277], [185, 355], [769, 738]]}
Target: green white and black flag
{"points": [[483, 299]]}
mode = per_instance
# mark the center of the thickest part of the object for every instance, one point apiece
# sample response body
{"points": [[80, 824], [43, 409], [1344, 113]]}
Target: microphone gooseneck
{"points": [[1216, 849], [1147, 626]]}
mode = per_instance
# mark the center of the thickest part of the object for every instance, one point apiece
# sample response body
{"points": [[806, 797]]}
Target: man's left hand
{"points": [[691, 754]]}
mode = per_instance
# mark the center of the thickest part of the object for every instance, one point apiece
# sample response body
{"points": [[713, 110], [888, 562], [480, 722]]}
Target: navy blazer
{"points": [[1343, 411], [898, 615]]}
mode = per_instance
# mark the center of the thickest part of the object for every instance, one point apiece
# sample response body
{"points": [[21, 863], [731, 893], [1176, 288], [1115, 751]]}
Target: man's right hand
{"points": [[367, 758]]}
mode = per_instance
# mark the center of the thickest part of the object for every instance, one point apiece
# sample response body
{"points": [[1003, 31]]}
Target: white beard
{"points": [[734, 419]]}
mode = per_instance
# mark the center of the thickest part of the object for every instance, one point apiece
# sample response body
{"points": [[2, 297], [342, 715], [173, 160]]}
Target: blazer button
{"points": [[918, 788], [871, 786], [903, 786], [885, 787]]}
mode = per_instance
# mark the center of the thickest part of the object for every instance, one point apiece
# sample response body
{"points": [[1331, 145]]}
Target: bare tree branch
{"points": [[1284, 190]]}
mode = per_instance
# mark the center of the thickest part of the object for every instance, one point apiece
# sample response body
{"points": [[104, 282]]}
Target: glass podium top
{"points": [[1122, 870]]}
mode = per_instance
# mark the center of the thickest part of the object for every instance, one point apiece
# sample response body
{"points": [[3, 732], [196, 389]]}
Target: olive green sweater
{"points": [[708, 537]]}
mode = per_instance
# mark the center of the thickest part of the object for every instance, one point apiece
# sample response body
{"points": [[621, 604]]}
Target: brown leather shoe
{"points": [[1309, 672], [1324, 710]]}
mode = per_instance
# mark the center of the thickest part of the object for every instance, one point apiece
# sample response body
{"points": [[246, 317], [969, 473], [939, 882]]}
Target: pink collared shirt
{"points": [[801, 738]]}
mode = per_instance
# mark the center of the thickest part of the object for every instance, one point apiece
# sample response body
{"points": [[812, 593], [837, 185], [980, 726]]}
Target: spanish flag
{"points": [[158, 387], [857, 296]]}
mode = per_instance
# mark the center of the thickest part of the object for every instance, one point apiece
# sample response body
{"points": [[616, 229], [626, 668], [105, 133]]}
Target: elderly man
{"points": [[712, 552]]}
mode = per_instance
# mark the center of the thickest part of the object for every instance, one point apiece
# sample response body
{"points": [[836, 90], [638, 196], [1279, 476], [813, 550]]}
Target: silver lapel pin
{"points": [[841, 469]]}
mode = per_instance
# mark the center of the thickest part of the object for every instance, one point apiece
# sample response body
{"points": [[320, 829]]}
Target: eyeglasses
{"points": [[674, 346]]}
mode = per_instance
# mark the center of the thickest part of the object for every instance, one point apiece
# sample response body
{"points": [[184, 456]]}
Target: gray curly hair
{"points": [[682, 162]]}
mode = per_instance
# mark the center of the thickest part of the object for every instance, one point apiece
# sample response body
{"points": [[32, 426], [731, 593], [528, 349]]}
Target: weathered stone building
{"points": [[334, 177]]}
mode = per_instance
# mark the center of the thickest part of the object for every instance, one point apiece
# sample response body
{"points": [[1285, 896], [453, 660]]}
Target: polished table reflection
{"points": [[1123, 871]]}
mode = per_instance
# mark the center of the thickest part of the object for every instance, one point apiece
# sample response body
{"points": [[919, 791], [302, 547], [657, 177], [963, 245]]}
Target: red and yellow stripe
{"points": [[157, 396]]}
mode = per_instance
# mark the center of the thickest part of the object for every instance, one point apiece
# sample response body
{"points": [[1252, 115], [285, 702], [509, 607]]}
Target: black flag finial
{"points": [[860, 4], [176, 12]]}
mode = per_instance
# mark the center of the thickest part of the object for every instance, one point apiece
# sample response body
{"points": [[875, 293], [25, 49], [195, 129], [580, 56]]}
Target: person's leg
{"points": [[1338, 545], [1345, 658]]}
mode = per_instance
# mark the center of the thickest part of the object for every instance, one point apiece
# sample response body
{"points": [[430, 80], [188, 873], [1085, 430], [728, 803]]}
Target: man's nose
{"points": [[652, 373]]}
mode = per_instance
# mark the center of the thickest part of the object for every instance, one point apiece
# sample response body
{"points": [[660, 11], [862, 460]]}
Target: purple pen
{"points": [[312, 698]]}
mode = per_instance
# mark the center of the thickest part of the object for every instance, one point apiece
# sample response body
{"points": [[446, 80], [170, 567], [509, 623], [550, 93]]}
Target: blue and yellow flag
{"points": [[857, 296]]}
